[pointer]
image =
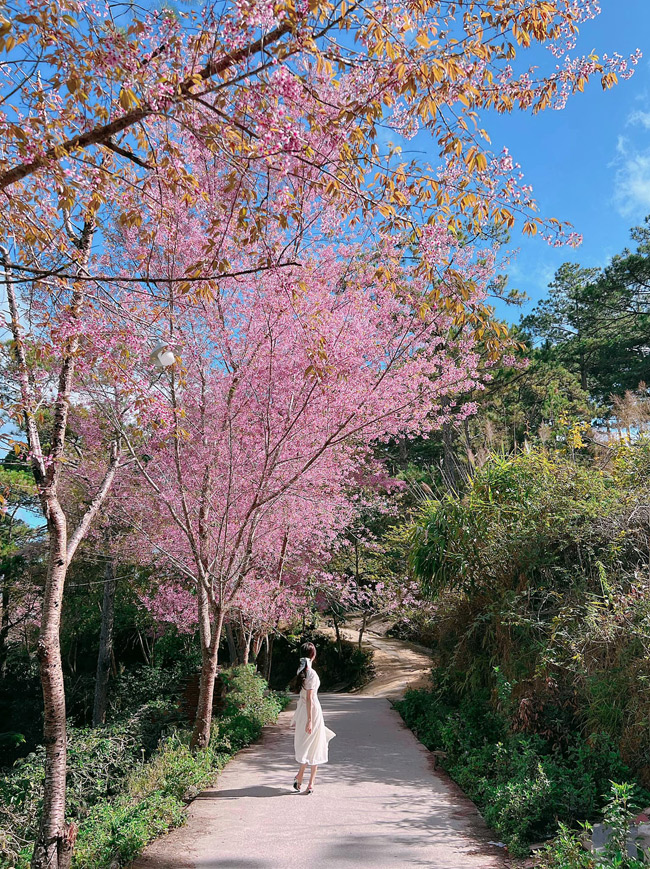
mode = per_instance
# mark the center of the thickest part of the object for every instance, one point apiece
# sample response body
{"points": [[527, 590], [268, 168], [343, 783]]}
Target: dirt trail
{"points": [[398, 664]]}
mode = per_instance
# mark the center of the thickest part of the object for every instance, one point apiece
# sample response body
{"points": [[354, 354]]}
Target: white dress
{"points": [[311, 747]]}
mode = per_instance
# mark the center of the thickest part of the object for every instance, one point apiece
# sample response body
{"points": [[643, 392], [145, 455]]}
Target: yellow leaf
{"points": [[128, 99]]}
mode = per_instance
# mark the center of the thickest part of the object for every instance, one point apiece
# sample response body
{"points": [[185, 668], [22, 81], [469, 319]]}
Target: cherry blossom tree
{"points": [[97, 98], [55, 343], [366, 575], [284, 378]]}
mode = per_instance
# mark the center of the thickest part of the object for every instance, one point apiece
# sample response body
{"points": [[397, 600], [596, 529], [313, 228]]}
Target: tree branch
{"points": [[96, 503], [104, 133], [123, 152], [33, 437], [66, 375], [41, 274]]}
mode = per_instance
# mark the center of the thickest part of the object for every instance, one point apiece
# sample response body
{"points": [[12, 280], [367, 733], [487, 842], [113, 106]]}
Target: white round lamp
{"points": [[161, 356]]}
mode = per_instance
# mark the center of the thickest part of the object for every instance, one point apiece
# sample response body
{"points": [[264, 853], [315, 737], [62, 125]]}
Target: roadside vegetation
{"points": [[531, 544], [130, 780]]}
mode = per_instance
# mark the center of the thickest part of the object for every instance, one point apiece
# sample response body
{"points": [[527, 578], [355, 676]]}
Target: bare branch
{"points": [[33, 437], [40, 274], [124, 152], [94, 506]]}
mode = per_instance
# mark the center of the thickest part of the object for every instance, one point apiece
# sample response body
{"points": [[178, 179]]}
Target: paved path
{"points": [[378, 804]]}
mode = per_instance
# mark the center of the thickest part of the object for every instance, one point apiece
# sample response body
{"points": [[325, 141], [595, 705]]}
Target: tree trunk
{"points": [[364, 621], [143, 649], [337, 631], [262, 653], [242, 641], [269, 657], [257, 645], [4, 624], [449, 464], [210, 659], [469, 452], [55, 840], [105, 654], [233, 648], [247, 648]]}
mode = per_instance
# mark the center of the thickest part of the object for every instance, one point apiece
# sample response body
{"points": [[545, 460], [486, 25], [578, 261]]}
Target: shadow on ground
{"points": [[378, 804]]}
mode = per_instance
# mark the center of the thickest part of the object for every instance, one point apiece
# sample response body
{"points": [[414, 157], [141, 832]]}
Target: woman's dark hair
{"points": [[307, 650]]}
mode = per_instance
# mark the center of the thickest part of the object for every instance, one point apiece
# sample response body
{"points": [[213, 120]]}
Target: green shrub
{"points": [[538, 575], [247, 694], [249, 705], [99, 762], [118, 831], [238, 731], [120, 799], [134, 688], [566, 851], [151, 804], [152, 721], [174, 770], [522, 782]]}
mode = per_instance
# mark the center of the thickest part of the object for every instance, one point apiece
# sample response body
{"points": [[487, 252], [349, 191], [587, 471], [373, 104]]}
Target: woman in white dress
{"points": [[311, 737]]}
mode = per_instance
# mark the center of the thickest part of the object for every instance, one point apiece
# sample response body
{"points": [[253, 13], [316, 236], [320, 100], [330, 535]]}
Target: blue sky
{"points": [[590, 163]]}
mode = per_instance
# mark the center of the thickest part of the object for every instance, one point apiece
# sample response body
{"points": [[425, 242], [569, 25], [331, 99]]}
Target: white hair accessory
{"points": [[304, 662]]}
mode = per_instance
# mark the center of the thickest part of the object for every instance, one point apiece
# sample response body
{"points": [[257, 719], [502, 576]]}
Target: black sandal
{"points": [[296, 786], [309, 790]]}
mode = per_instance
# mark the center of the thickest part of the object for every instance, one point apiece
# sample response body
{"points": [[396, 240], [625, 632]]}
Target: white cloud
{"points": [[640, 118], [632, 183]]}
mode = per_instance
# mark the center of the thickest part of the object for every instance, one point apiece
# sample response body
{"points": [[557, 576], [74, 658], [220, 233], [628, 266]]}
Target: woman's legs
{"points": [[312, 776], [301, 772]]}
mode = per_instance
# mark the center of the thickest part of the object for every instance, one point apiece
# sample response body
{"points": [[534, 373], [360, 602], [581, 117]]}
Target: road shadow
{"points": [[261, 791], [230, 863], [379, 803]]}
